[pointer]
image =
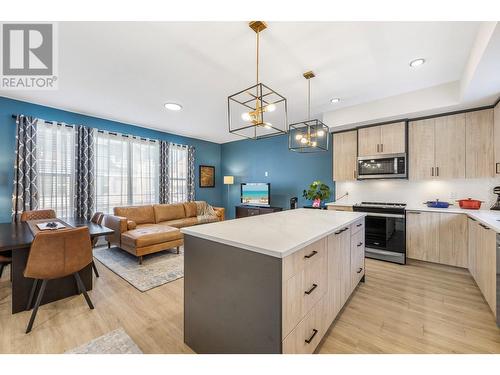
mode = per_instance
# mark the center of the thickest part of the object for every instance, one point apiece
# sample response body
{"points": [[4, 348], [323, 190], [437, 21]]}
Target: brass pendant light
{"points": [[309, 135], [257, 111]]}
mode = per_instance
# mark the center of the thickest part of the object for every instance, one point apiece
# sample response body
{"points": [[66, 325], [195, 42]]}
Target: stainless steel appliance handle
{"points": [[385, 215]]}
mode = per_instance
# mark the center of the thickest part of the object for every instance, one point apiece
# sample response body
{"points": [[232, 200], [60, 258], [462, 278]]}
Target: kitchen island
{"points": [[272, 283]]}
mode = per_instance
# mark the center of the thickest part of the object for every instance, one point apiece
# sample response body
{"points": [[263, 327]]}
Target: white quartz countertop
{"points": [[487, 217], [278, 234]]}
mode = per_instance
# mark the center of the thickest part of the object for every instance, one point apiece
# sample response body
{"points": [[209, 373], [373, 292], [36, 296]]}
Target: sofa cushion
{"points": [[165, 212], [150, 235], [139, 214], [190, 209], [181, 223], [131, 224]]}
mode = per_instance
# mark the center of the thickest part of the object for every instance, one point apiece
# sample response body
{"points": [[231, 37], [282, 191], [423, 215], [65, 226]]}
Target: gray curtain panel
{"points": [[84, 172], [191, 179], [25, 193], [164, 172]]}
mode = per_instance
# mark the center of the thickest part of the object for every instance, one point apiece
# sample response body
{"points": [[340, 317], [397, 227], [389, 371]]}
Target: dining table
{"points": [[17, 238]]}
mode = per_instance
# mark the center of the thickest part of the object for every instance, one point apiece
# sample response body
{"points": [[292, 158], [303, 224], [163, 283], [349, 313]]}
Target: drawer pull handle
{"points": [[311, 255], [311, 290], [359, 271], [359, 225], [308, 341], [359, 244], [484, 226], [340, 231]]}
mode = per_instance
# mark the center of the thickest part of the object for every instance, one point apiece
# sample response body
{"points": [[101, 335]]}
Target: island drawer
{"points": [[307, 335], [357, 258], [295, 262], [302, 291], [357, 226]]}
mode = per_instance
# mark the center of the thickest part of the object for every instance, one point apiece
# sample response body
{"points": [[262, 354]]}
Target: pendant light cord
{"points": [[308, 99], [258, 32]]}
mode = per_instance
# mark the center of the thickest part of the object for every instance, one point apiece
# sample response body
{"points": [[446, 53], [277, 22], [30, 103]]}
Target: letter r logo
{"points": [[27, 49]]}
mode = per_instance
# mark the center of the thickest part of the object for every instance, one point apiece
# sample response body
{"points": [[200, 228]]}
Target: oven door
{"points": [[389, 166], [385, 237]]}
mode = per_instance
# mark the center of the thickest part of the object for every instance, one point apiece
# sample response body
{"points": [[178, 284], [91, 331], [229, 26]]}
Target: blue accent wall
{"points": [[288, 172], [207, 153]]}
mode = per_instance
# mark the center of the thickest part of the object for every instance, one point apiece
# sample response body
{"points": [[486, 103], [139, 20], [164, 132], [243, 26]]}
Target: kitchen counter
{"points": [[487, 217], [278, 234]]}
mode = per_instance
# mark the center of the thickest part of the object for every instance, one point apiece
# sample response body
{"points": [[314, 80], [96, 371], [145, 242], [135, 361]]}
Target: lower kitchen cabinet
{"points": [[482, 260], [437, 237]]}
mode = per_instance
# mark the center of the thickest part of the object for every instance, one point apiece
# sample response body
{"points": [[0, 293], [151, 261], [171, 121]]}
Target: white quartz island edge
{"points": [[278, 234]]}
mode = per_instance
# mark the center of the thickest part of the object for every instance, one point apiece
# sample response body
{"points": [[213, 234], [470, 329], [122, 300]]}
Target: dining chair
{"points": [[54, 255], [97, 219], [38, 215], [5, 260]]}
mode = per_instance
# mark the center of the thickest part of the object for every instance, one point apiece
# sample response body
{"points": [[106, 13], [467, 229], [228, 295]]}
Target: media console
{"points": [[245, 211]]}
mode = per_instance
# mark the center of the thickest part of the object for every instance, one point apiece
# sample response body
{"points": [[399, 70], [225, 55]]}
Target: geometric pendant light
{"points": [[309, 135], [257, 111]]}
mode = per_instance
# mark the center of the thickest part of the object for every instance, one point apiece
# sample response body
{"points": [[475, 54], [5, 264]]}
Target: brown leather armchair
{"points": [[220, 212], [54, 255], [38, 214]]}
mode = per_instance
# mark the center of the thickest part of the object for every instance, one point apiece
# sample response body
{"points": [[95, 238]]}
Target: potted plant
{"points": [[317, 192]]}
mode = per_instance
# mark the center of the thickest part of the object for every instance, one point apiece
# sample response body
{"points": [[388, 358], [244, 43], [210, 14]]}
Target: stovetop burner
{"points": [[381, 207]]}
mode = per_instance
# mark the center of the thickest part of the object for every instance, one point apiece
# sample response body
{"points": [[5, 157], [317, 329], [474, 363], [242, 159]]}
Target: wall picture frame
{"points": [[207, 176]]}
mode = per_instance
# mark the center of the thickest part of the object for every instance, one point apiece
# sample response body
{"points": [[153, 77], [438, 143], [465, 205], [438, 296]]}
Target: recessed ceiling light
{"points": [[417, 62], [335, 100], [173, 106]]}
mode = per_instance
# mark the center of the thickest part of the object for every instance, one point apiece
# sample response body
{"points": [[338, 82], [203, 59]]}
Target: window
{"points": [[145, 171], [56, 167], [127, 171], [178, 168]]}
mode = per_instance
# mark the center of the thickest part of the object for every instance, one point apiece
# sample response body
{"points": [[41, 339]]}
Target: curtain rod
{"points": [[98, 130]]}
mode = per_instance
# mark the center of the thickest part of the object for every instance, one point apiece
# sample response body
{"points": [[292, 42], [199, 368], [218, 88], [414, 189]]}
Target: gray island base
{"points": [[272, 283]]}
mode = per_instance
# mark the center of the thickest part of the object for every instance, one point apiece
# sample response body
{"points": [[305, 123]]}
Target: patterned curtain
{"points": [[164, 172], [25, 193], [190, 177], [85, 172]]}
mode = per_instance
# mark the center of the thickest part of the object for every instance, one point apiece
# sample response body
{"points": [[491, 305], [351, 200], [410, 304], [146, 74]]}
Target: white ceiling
{"points": [[126, 71]]}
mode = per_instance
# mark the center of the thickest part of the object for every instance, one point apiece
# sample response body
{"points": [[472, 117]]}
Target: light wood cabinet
{"points": [[453, 245], [482, 260], [382, 139], [437, 237], [450, 146], [422, 235], [473, 233], [437, 148], [345, 152], [421, 149], [496, 131], [317, 282], [479, 148]]}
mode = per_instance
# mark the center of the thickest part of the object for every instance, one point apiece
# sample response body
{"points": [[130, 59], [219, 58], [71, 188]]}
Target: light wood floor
{"points": [[418, 308]]}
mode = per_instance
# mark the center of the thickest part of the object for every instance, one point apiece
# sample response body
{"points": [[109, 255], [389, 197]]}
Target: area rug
{"points": [[115, 342], [156, 269]]}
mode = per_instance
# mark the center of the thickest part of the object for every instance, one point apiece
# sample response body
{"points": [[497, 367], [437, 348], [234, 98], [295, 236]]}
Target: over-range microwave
{"points": [[382, 166]]}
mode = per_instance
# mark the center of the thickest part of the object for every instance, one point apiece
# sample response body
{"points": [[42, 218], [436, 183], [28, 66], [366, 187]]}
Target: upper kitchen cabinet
{"points": [[496, 119], [345, 152], [382, 139], [479, 144], [421, 149], [437, 147]]}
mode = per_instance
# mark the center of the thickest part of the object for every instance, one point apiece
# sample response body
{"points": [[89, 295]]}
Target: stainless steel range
{"points": [[385, 230]]}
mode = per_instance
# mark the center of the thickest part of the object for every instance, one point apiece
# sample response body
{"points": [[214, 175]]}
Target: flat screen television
{"points": [[256, 194]]}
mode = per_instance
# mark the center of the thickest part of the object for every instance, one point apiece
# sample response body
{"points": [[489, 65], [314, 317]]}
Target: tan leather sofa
{"points": [[142, 230]]}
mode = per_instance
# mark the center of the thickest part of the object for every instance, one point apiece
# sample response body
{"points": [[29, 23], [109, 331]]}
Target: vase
{"points": [[317, 203]]}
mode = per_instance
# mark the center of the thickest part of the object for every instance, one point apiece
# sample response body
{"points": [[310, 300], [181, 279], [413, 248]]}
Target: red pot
{"points": [[471, 204]]}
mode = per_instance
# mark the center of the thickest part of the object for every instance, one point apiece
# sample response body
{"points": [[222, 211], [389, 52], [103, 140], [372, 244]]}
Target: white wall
{"points": [[415, 193]]}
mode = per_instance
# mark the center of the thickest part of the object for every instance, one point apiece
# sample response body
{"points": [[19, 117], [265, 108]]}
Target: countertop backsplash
{"points": [[416, 192]]}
